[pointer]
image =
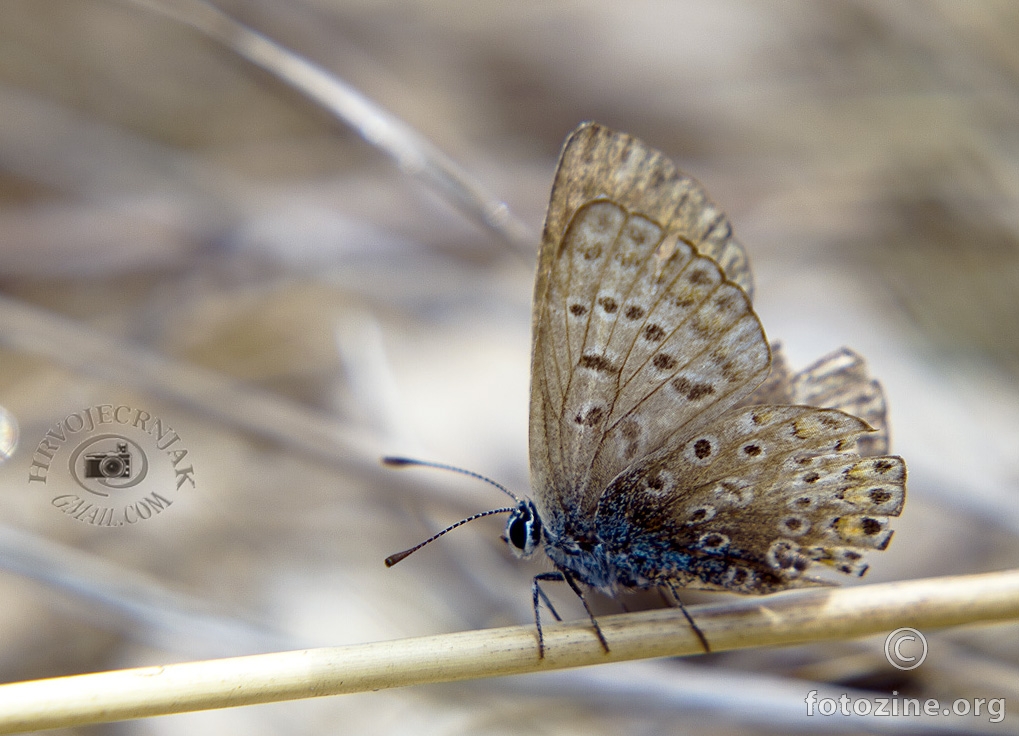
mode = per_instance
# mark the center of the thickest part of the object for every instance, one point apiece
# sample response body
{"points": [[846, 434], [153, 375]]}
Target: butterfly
{"points": [[670, 445]]}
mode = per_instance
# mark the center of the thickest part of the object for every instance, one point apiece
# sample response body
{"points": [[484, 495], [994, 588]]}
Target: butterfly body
{"points": [[613, 561]]}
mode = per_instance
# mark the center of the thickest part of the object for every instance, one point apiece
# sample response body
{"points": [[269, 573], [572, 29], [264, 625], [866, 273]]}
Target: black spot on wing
{"points": [[598, 363]]}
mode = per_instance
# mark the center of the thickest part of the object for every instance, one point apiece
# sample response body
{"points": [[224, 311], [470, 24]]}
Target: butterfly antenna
{"points": [[404, 462], [393, 559]]}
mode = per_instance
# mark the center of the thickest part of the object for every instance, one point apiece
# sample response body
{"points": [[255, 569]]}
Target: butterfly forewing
{"points": [[639, 338], [777, 388], [598, 163]]}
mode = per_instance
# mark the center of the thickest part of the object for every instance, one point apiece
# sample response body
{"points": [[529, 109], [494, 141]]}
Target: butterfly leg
{"points": [[689, 618], [538, 594], [580, 594]]}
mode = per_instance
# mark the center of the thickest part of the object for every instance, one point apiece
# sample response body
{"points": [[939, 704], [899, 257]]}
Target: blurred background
{"points": [[186, 232]]}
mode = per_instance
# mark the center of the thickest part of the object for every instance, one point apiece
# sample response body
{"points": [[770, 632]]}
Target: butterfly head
{"points": [[523, 529]]}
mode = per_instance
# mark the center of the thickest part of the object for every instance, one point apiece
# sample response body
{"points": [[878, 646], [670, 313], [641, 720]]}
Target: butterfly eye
{"points": [[523, 529], [518, 533]]}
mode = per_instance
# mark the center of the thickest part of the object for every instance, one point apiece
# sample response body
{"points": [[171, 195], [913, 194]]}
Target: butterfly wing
{"points": [[599, 163], [638, 336], [749, 502], [839, 380], [777, 388]]}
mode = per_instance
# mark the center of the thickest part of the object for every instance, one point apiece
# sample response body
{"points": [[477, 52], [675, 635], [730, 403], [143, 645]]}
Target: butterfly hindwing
{"points": [[750, 502]]}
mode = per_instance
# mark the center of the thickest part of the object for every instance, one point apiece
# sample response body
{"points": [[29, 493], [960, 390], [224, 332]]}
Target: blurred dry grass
{"points": [[157, 189]]}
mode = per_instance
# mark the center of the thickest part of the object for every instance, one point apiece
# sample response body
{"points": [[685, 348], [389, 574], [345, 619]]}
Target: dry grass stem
{"points": [[413, 153], [783, 619]]}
